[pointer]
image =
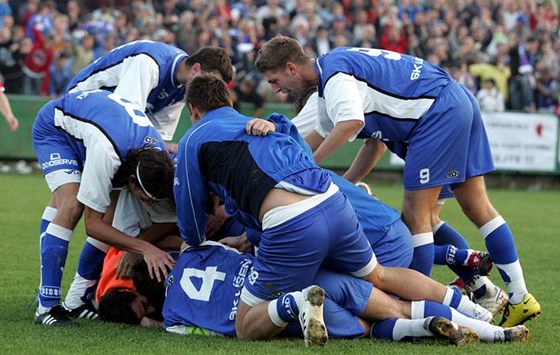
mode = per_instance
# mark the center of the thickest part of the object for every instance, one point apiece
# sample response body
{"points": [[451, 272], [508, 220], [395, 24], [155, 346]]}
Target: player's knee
{"points": [[70, 210]]}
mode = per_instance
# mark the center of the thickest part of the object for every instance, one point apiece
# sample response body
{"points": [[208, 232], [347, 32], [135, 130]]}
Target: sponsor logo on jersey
{"points": [[418, 65], [253, 276], [377, 135], [452, 174], [56, 160], [73, 172]]}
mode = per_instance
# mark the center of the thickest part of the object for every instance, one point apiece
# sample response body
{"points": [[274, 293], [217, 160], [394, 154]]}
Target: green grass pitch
{"points": [[533, 216]]}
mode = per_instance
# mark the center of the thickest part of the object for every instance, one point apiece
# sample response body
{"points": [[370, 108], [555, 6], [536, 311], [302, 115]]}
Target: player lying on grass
{"points": [[203, 291], [88, 143]]}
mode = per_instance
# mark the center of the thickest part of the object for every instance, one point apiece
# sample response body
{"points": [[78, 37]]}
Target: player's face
{"points": [[285, 81], [140, 194], [141, 306]]}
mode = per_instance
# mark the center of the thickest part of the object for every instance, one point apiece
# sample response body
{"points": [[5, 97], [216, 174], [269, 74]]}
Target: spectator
{"points": [[523, 58], [36, 65], [546, 89], [60, 75], [82, 52], [10, 61], [246, 92], [490, 98], [321, 43]]}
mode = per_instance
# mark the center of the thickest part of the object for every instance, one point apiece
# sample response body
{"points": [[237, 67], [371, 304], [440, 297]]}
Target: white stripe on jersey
{"points": [[115, 76], [348, 99], [102, 161]]}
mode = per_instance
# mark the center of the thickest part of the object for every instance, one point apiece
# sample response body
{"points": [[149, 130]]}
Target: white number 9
{"points": [[424, 176]]}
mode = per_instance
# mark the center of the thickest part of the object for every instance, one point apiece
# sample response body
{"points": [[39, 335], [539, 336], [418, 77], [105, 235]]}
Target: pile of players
{"points": [[302, 250]]}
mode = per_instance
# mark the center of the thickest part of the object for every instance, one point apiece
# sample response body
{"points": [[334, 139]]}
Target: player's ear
{"points": [[291, 68], [196, 68]]}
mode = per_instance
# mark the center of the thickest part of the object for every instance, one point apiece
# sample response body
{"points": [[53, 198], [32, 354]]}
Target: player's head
{"points": [[122, 305], [285, 66], [149, 287], [149, 174], [212, 60], [205, 93]]}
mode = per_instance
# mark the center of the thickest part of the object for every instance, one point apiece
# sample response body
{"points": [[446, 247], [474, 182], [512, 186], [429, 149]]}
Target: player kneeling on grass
{"points": [[87, 143]]}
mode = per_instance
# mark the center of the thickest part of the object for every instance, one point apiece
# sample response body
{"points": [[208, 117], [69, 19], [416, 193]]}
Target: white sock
{"points": [[410, 328], [516, 289], [488, 332]]}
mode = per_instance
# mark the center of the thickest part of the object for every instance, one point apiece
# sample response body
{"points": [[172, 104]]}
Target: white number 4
{"points": [[207, 276], [424, 176]]}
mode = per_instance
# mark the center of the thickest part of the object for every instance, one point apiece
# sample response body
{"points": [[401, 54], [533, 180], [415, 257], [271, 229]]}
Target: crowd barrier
{"points": [[521, 142]]}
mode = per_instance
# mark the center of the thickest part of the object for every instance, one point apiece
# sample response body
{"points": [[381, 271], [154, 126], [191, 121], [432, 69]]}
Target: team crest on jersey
{"points": [[452, 174], [150, 140]]}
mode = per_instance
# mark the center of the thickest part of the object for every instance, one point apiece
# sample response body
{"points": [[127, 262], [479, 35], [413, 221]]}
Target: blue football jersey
{"points": [[91, 132], [141, 71], [392, 90], [203, 289]]}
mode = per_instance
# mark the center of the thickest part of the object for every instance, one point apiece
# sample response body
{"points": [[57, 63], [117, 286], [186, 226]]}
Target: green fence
{"points": [[525, 139], [17, 145]]}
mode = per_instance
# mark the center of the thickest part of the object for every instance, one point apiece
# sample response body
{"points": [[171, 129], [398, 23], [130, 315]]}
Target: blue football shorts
{"points": [[291, 253], [449, 144]]}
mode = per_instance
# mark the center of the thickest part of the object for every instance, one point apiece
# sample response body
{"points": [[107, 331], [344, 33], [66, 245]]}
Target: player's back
{"points": [[93, 116], [106, 71], [204, 287]]}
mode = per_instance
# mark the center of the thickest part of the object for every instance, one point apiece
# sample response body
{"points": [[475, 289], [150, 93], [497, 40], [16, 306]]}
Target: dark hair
{"points": [[146, 286], [211, 58], [156, 169], [207, 92], [116, 306]]}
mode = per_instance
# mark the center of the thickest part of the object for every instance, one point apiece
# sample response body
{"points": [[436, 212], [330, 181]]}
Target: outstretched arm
{"points": [[342, 132], [367, 158]]}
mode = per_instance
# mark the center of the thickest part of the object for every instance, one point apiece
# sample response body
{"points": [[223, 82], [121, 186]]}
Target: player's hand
{"points": [[126, 263], [241, 243], [216, 221], [159, 262], [259, 127]]}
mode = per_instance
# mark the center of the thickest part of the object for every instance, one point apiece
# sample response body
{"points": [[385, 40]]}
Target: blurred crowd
{"points": [[504, 51]]}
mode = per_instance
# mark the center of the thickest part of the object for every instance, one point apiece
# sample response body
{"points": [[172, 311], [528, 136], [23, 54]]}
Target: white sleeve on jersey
{"points": [[101, 165], [165, 120], [131, 215], [344, 101], [138, 76], [306, 119]]}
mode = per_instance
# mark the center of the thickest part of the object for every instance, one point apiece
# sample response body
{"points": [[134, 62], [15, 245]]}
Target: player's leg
{"points": [[417, 209], [54, 250], [79, 300], [63, 176], [473, 198], [475, 203]]}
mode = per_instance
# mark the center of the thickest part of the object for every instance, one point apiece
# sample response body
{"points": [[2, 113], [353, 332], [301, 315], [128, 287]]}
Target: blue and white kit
{"points": [[84, 137], [401, 98], [143, 72], [204, 289], [217, 156]]}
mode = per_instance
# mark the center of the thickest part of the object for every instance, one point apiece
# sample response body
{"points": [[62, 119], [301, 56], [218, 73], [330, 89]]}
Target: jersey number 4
{"points": [[207, 278]]}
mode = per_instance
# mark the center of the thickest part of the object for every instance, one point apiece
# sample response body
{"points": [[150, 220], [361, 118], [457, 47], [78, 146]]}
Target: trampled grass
{"points": [[533, 216]]}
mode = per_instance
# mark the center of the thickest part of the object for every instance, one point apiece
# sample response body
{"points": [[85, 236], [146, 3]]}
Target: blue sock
{"points": [[383, 329], [90, 262], [423, 259], [287, 308], [54, 249], [436, 309], [501, 246], [440, 254], [445, 234]]}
